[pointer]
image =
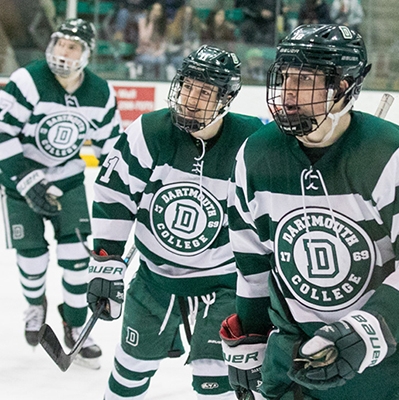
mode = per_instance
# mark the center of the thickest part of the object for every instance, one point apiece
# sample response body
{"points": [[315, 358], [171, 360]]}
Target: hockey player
{"points": [[47, 111], [170, 172], [313, 219]]}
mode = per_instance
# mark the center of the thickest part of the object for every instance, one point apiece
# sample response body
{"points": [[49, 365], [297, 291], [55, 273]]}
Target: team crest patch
{"points": [[61, 135], [132, 337], [185, 219], [325, 259], [18, 232]]}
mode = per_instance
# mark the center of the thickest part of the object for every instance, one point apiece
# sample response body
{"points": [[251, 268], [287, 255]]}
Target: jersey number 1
{"points": [[110, 165]]}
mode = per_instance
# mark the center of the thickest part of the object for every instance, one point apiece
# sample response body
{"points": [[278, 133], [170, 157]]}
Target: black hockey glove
{"points": [[340, 350], [244, 356], [41, 196], [106, 275]]}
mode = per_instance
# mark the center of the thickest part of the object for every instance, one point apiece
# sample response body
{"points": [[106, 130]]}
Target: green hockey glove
{"points": [[340, 350], [244, 356], [41, 196], [106, 275]]}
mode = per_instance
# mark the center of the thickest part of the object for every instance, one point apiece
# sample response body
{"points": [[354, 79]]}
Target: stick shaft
{"points": [[384, 105], [48, 338]]}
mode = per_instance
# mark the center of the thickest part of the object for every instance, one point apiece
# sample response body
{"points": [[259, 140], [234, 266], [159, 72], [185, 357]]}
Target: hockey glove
{"points": [[340, 350], [244, 356], [106, 275], [41, 196]]}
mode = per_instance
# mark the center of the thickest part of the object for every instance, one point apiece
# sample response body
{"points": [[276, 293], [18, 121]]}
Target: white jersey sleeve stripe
{"points": [[103, 194], [385, 190], [23, 79], [253, 286], [115, 229], [10, 148], [247, 241], [393, 280], [138, 146]]}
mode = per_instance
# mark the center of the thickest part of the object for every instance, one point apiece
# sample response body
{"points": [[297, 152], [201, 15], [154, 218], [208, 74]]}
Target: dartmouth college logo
{"points": [[325, 259], [61, 135], [185, 218]]}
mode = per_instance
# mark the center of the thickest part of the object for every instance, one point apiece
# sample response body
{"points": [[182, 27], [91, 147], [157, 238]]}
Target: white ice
{"points": [[28, 373]]}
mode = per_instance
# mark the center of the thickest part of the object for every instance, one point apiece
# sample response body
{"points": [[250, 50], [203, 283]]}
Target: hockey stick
{"points": [[49, 340], [4, 209], [384, 106], [53, 347], [129, 256]]}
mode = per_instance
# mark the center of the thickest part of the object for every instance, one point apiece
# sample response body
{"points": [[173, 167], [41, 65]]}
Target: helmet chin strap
{"points": [[222, 112], [197, 126], [334, 122]]}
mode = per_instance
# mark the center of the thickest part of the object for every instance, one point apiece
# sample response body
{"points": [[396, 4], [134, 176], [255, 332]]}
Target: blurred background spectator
{"points": [[208, 4], [150, 54], [218, 31], [25, 25], [259, 25], [183, 36], [254, 67], [126, 16], [347, 12], [314, 12], [171, 7]]}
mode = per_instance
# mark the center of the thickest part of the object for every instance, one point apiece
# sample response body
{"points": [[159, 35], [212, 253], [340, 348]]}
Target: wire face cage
{"points": [[299, 97], [194, 104]]}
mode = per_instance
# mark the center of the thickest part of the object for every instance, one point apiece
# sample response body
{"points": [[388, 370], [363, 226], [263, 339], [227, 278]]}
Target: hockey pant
{"points": [[28, 238], [151, 332]]}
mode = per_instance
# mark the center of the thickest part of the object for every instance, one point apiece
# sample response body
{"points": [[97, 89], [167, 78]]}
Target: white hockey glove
{"points": [[244, 356], [106, 275], [41, 196], [340, 350]]}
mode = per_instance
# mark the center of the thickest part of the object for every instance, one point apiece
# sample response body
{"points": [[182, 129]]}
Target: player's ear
{"points": [[341, 89], [343, 85]]}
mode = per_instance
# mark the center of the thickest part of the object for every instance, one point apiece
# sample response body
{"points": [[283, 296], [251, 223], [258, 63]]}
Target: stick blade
{"points": [[53, 347]]}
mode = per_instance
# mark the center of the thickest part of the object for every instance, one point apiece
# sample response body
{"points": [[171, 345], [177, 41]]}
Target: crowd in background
{"points": [[163, 32]]}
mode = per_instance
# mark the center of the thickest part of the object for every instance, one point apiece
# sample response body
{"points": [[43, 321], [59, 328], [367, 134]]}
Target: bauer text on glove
{"points": [[243, 353], [106, 275], [340, 350], [41, 195]]}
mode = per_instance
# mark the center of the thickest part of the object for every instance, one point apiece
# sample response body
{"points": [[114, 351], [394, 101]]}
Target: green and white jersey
{"points": [[43, 126], [160, 177], [327, 233]]}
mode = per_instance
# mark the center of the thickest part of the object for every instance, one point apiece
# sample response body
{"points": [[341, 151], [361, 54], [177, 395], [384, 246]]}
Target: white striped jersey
{"points": [[327, 232], [43, 126], [156, 176]]}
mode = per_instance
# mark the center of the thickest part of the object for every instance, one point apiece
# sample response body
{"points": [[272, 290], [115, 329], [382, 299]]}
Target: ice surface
{"points": [[30, 374]]}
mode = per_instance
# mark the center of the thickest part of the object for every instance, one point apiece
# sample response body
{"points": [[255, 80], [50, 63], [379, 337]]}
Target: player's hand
{"points": [[340, 350], [41, 195], [106, 275], [244, 356]]}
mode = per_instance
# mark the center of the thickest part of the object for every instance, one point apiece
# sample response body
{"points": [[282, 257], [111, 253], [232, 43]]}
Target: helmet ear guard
{"points": [[356, 84], [207, 67], [335, 50]]}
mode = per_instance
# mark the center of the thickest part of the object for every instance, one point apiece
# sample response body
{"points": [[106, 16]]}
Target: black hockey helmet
{"points": [[211, 66], [336, 51], [78, 30]]}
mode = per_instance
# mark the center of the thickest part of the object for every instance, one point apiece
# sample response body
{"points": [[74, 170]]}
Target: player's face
{"points": [[304, 92], [70, 49], [198, 100]]}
